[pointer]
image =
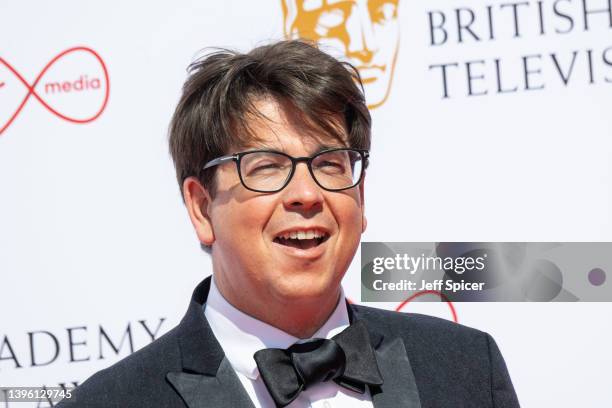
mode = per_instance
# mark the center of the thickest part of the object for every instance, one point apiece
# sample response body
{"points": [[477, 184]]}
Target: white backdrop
{"points": [[96, 247]]}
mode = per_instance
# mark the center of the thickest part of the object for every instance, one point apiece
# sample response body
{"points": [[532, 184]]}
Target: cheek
{"points": [[241, 249], [240, 214], [350, 225], [348, 216], [242, 224]]}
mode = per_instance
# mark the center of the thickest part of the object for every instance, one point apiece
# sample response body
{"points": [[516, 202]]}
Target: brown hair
{"points": [[218, 100]]}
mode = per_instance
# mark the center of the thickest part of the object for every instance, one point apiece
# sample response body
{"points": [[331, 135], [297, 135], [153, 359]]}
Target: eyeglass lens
{"points": [[268, 171]]}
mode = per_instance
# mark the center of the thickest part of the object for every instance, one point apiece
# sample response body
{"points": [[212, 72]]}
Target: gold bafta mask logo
{"points": [[362, 32]]}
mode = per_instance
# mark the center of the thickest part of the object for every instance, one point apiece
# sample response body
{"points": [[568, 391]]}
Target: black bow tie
{"points": [[347, 358]]}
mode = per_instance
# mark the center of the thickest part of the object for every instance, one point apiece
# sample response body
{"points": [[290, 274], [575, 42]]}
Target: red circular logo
{"points": [[78, 84]]}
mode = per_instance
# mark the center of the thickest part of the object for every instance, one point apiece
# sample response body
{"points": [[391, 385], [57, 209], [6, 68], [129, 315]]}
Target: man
{"points": [[270, 150]]}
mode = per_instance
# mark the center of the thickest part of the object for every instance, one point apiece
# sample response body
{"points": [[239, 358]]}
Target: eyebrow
{"points": [[318, 149], [321, 147]]}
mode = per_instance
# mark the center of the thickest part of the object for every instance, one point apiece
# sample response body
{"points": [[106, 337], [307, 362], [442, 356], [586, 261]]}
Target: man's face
{"points": [[247, 256], [364, 32]]}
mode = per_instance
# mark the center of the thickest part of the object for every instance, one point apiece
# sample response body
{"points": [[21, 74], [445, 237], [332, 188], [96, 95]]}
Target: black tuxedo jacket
{"points": [[425, 362]]}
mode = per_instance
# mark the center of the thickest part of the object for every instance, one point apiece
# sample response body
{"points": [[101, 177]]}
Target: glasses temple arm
{"points": [[219, 160]]}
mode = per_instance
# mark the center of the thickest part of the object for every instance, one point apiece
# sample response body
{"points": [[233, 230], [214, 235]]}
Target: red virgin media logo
{"points": [[73, 86]]}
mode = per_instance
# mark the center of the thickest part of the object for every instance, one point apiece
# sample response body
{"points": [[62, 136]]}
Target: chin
{"points": [[304, 288]]}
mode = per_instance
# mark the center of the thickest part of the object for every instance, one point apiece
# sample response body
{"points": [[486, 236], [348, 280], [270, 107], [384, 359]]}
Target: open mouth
{"points": [[302, 243]]}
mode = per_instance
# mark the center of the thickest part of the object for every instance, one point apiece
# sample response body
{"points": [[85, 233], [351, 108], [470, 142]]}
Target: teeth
{"points": [[310, 234]]}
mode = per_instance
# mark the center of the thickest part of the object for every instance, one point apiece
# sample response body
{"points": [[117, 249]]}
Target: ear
{"points": [[198, 203], [364, 221]]}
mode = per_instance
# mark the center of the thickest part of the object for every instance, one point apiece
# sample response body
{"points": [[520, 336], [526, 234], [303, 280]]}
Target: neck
{"points": [[300, 318]]}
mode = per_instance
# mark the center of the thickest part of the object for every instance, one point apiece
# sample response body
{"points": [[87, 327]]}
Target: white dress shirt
{"points": [[241, 335]]}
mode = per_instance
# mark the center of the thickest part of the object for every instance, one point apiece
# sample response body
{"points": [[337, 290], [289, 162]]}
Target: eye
{"points": [[331, 166], [264, 167], [329, 163]]}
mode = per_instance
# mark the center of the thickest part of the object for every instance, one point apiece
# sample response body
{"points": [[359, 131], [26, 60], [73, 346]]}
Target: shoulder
{"points": [[427, 333], [452, 363], [400, 321], [137, 380]]}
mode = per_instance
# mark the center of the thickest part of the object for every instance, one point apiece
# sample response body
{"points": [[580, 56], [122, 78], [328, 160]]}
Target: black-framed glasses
{"points": [[269, 171]]}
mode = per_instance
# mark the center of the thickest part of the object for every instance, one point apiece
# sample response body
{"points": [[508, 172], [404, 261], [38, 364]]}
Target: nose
{"points": [[302, 192], [362, 41]]}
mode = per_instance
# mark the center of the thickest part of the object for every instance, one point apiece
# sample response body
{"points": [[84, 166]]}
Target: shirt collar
{"points": [[241, 335]]}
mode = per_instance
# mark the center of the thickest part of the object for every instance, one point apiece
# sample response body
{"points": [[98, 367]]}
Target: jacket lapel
{"points": [[221, 390], [399, 387], [207, 378]]}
